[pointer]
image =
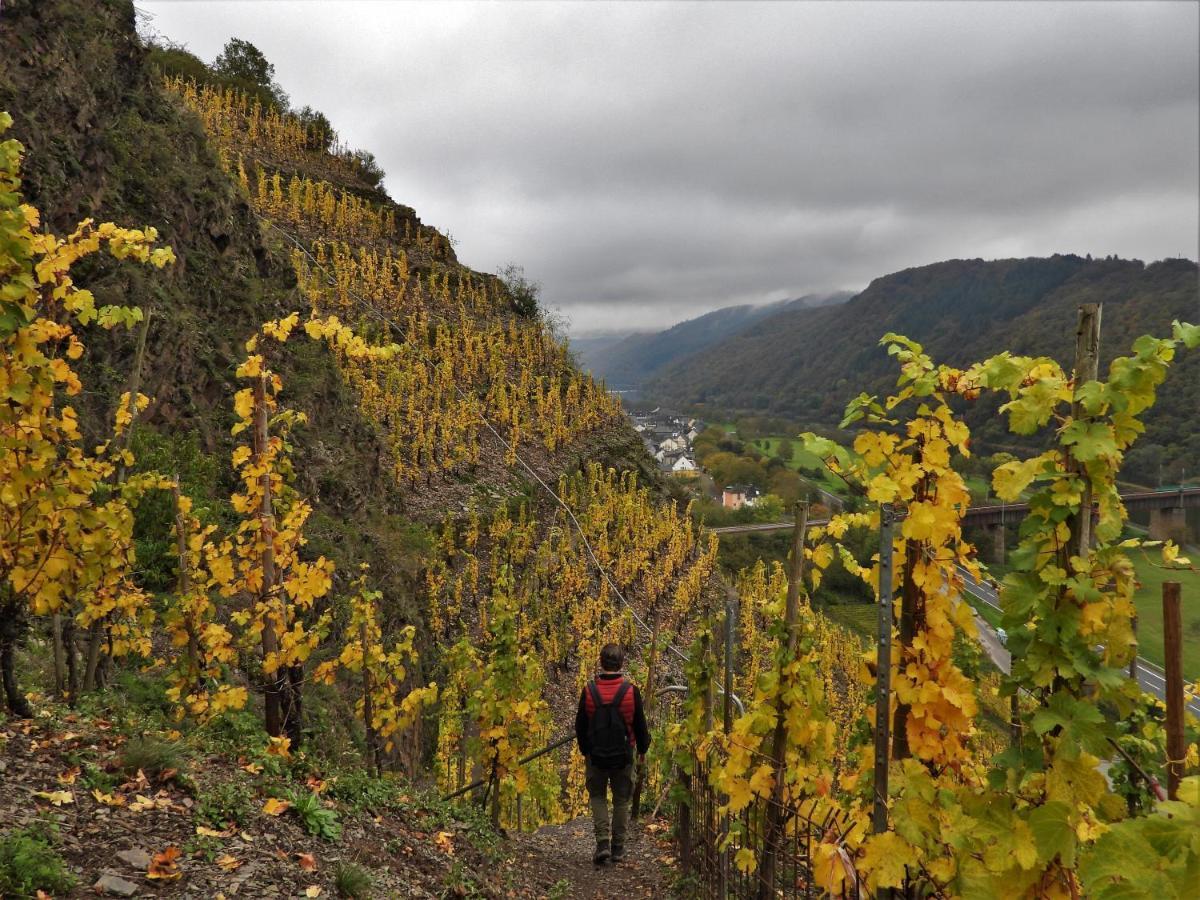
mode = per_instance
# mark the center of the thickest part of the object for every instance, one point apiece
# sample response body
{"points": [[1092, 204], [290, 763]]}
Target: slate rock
{"points": [[136, 857], [112, 884]]}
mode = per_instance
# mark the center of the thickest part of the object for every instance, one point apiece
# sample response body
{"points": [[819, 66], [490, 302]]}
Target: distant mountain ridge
{"points": [[626, 362], [807, 363]]}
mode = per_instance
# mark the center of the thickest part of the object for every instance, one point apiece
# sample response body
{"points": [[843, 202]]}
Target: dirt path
{"points": [[556, 861]]}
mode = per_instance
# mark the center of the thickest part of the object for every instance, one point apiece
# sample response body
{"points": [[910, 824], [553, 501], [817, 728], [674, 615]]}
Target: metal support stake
{"points": [[731, 614], [883, 683], [1133, 662]]}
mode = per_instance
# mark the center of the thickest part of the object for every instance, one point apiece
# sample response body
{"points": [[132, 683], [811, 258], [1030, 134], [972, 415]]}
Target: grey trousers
{"points": [[598, 782]]}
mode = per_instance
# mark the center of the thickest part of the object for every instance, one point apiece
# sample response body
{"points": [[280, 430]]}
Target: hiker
{"points": [[609, 725]]}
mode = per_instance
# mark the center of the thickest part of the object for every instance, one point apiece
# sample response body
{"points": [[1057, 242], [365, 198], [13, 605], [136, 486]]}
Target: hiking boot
{"points": [[602, 855], [618, 853]]}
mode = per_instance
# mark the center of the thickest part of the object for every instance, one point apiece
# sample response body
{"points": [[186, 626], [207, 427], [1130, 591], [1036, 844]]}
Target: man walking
{"points": [[610, 724]]}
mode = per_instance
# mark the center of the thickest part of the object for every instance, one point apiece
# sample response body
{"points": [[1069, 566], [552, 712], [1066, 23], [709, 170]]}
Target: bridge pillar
{"points": [[998, 549], [1169, 523]]}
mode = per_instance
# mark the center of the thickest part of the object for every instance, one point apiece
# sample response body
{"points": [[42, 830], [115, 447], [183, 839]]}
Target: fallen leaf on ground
{"points": [[228, 863], [141, 802], [307, 862], [138, 783], [445, 841], [281, 747], [252, 768], [312, 890], [69, 776], [58, 798], [165, 866], [276, 807], [108, 799], [205, 831]]}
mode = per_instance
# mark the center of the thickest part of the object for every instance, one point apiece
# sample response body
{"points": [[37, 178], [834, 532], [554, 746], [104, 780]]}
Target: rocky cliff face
{"points": [[103, 140]]}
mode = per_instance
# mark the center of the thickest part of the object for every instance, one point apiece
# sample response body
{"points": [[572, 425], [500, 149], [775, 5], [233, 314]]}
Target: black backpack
{"points": [[607, 732]]}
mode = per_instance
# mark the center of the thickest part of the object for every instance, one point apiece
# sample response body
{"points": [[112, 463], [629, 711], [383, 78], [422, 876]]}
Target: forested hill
{"points": [[630, 362], [807, 363]]}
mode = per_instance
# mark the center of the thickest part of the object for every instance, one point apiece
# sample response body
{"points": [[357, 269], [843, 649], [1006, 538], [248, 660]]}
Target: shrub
{"points": [[317, 818], [523, 292], [225, 802], [29, 863]]}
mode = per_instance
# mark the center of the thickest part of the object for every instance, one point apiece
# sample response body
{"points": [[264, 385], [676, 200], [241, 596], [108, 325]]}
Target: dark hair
{"points": [[612, 657]]}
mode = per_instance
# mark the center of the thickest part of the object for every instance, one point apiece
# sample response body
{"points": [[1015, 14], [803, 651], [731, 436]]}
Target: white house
{"points": [[683, 464]]}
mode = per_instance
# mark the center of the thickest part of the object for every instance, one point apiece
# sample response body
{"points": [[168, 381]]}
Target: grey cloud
{"points": [[648, 162]]}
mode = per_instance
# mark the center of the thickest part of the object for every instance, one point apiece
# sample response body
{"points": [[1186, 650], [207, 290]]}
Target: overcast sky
{"points": [[650, 162]]}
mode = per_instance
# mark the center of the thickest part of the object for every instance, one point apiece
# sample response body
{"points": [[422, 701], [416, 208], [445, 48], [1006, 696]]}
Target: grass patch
{"points": [[150, 756], [988, 613], [30, 864], [801, 459], [361, 791], [861, 618], [1148, 600], [352, 880]]}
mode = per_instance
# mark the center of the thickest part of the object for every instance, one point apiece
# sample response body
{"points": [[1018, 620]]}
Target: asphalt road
{"points": [[1151, 677]]}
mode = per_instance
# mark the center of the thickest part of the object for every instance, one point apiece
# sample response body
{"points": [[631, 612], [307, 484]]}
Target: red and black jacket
{"points": [[608, 683]]}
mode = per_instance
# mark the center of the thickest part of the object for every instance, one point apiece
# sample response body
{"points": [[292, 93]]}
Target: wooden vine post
{"points": [[98, 633], [912, 619], [373, 759], [1173, 670], [274, 682], [773, 827], [883, 684], [185, 587], [1087, 368]]}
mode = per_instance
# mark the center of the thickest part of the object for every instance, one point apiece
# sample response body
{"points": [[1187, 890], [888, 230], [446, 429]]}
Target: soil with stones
{"points": [[110, 839], [556, 861]]}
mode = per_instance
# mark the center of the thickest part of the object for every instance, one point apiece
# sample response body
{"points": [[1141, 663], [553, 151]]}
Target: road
{"points": [[1151, 677]]}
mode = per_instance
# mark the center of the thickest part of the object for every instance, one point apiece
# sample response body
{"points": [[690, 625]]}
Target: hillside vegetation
{"points": [[806, 364], [307, 499]]}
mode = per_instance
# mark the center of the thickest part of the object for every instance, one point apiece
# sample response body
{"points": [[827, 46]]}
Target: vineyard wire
{"points": [[507, 446]]}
